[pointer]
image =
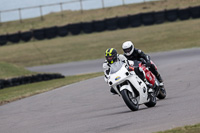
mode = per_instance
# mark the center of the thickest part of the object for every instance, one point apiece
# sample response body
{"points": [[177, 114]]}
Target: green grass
{"points": [[163, 37], [186, 129], [90, 15], [10, 70]]}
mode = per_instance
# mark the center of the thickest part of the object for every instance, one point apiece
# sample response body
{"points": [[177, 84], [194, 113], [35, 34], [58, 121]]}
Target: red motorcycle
{"points": [[160, 91]]}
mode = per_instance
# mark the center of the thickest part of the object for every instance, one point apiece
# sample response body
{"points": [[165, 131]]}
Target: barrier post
{"points": [[61, 9], [41, 15], [102, 1], [123, 2], [0, 17], [20, 15], [81, 5]]}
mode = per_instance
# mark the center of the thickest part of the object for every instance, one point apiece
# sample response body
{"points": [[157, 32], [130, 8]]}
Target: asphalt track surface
{"points": [[88, 106]]}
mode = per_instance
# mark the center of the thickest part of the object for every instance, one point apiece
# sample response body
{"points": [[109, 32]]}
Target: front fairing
{"points": [[119, 76]]}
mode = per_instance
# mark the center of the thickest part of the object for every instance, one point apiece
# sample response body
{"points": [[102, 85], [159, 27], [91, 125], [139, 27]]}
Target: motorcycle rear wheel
{"points": [[130, 100]]}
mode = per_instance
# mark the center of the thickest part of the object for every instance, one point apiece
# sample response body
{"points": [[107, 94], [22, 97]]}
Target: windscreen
{"points": [[115, 67]]}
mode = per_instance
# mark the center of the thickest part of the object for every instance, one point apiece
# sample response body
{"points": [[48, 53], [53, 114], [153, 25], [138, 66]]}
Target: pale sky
{"points": [[35, 12]]}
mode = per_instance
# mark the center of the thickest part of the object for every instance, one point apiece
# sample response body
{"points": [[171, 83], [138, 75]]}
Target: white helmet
{"points": [[128, 48]]}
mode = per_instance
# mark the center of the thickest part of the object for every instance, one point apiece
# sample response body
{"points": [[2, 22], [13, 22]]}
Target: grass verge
{"points": [[10, 70], [186, 129], [55, 19], [163, 37], [18, 92]]}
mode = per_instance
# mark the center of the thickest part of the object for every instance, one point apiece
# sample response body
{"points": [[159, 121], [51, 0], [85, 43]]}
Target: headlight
{"points": [[127, 73]]}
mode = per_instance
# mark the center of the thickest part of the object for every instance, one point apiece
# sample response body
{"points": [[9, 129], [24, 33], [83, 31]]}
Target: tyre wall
{"points": [[195, 12], [4, 83], [111, 23], [87, 27], [63, 31], [26, 36], [114, 23], [171, 15], [159, 17], [75, 29], [3, 39], [14, 38], [39, 34], [148, 18]]}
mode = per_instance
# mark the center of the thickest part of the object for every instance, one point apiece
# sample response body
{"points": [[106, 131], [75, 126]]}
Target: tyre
{"points": [[152, 101], [162, 93], [130, 100]]}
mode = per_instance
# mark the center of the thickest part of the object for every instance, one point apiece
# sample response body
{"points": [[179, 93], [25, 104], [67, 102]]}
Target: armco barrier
{"points": [[3, 39], [75, 29], [159, 17], [123, 22], [62, 30], [184, 14], [195, 12], [50, 32], [99, 25], [171, 15], [39, 34], [14, 38], [26, 36], [148, 18], [135, 20], [4, 83], [87, 27], [111, 23]]}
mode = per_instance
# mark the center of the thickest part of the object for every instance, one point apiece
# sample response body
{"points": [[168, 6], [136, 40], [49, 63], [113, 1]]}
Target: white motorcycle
{"points": [[132, 89]]}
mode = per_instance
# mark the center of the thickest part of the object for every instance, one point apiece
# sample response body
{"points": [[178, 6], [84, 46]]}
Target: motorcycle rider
{"points": [[132, 53], [114, 61]]}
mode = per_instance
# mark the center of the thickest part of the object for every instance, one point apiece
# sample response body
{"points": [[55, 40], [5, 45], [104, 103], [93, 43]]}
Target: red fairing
{"points": [[150, 77], [148, 74]]}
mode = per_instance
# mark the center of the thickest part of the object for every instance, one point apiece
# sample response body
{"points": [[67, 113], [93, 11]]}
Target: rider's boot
{"points": [[154, 70], [158, 76], [160, 79]]}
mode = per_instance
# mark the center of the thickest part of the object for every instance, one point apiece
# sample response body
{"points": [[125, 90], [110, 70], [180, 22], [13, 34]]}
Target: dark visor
{"points": [[109, 58], [128, 50]]}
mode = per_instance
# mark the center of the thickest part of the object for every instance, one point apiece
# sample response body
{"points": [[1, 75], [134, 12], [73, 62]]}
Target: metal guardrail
{"points": [[59, 6]]}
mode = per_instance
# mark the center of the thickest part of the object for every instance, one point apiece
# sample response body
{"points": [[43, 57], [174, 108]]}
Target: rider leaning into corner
{"points": [[114, 60], [132, 53]]}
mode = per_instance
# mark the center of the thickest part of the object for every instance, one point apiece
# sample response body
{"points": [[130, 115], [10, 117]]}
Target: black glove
{"points": [[148, 64], [130, 68]]}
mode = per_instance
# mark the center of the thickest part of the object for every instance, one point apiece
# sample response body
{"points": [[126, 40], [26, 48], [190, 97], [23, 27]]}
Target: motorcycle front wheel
{"points": [[152, 100], [130, 100]]}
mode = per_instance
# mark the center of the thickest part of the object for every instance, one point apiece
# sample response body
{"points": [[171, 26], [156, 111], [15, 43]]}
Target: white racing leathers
{"points": [[112, 68]]}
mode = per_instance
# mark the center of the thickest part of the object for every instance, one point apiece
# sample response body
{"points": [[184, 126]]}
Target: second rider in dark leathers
{"points": [[131, 53]]}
